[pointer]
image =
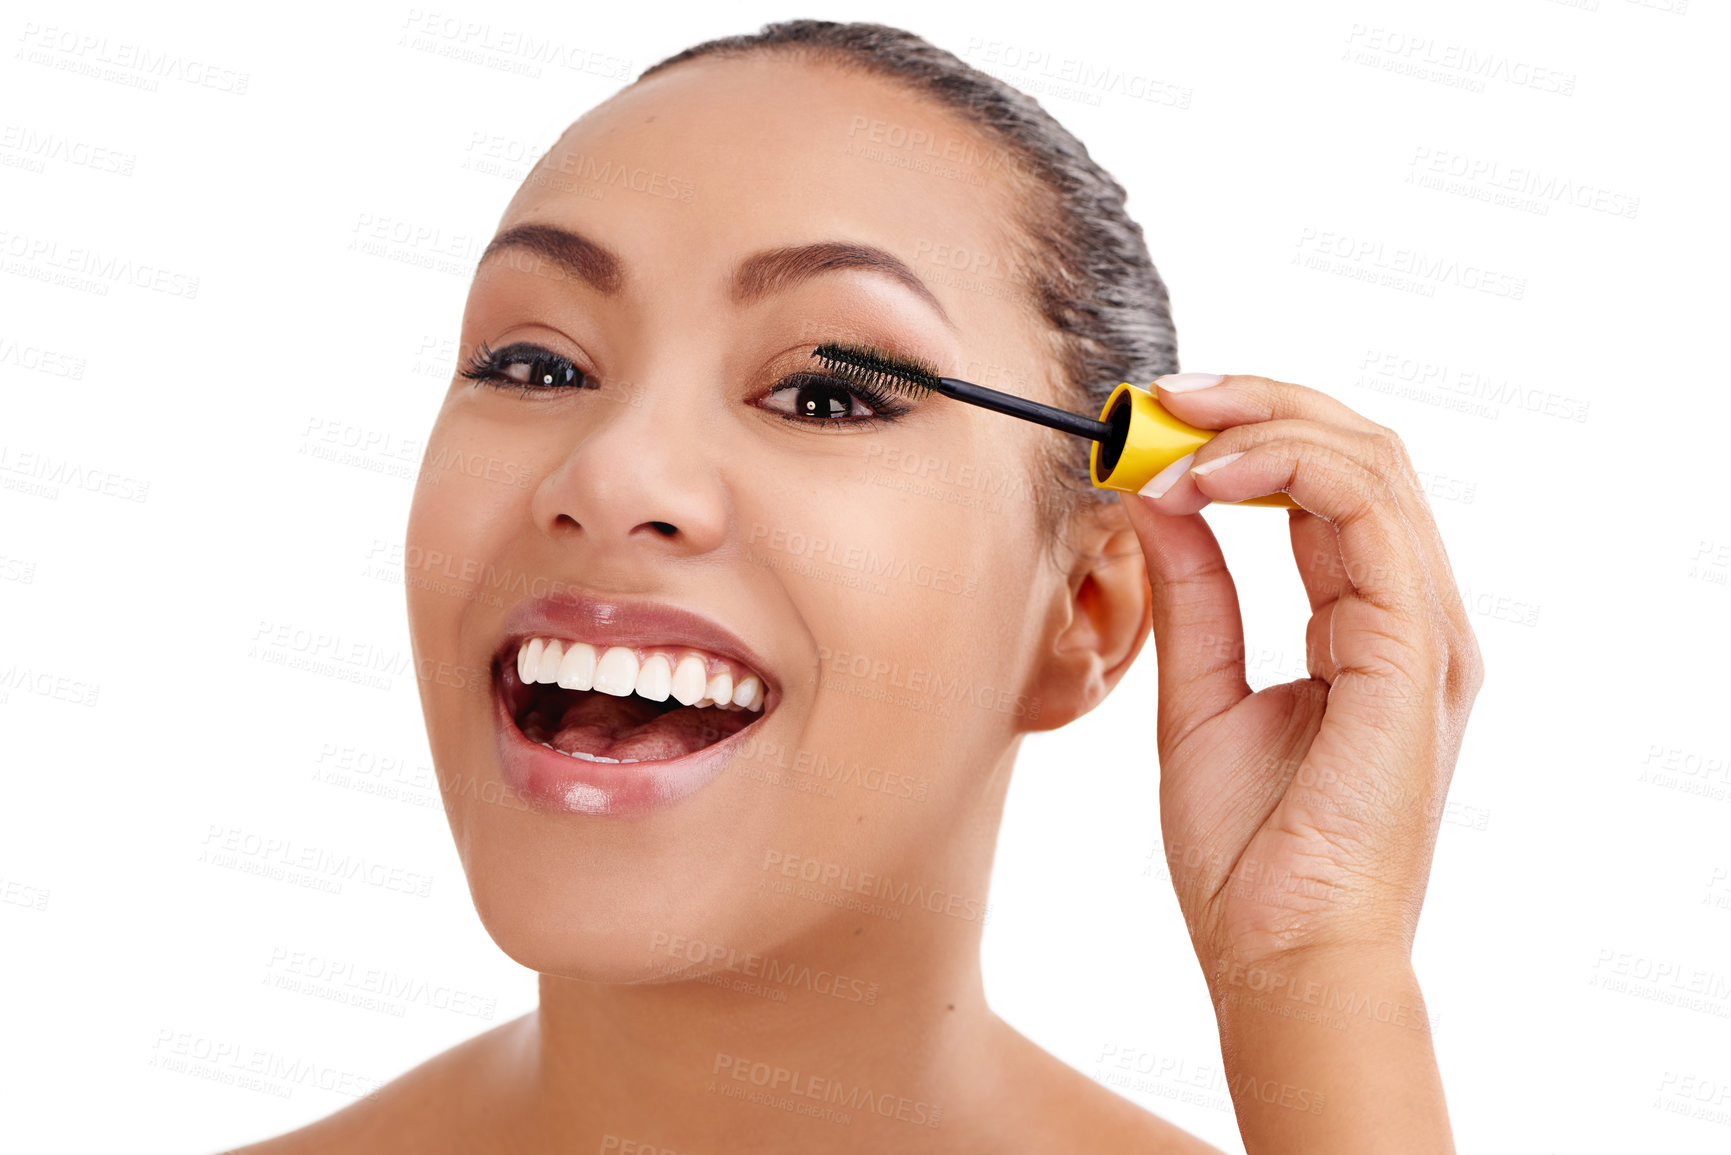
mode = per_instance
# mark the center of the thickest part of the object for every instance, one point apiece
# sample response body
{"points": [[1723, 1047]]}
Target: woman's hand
{"points": [[1299, 821]]}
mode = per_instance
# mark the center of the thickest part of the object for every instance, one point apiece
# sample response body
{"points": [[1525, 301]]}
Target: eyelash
{"points": [[487, 366], [885, 406]]}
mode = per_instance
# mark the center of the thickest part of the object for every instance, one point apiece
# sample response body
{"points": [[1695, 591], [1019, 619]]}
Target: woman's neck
{"points": [[866, 1031], [796, 1049]]}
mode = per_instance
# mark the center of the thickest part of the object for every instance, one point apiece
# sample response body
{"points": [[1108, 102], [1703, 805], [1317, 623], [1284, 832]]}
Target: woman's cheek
{"points": [[456, 522], [888, 577], [457, 558], [872, 541]]}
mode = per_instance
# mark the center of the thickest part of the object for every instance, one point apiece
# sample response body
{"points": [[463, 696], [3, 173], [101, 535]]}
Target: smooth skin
{"points": [[1347, 780]]}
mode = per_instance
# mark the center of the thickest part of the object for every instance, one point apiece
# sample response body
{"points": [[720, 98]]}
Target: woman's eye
{"points": [[814, 397], [542, 372], [529, 367]]}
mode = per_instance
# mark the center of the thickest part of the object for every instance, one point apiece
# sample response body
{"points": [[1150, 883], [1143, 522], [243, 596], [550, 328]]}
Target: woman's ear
{"points": [[1110, 613]]}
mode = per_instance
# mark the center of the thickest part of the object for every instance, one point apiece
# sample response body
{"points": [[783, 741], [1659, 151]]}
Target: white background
{"points": [[1576, 944]]}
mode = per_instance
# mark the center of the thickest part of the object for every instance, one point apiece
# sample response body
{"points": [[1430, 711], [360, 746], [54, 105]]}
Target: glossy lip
{"points": [[571, 785]]}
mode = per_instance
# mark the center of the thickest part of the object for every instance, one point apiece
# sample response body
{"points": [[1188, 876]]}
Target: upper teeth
{"points": [[657, 673]]}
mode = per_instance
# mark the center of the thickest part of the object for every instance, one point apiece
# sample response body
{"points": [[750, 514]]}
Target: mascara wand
{"points": [[869, 367], [1134, 439]]}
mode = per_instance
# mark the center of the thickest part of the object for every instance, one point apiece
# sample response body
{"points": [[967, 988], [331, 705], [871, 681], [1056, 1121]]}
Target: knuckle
{"points": [[1466, 672], [1263, 397], [1277, 398], [1388, 451], [1366, 485]]}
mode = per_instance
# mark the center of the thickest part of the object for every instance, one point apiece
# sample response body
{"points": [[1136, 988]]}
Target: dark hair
{"points": [[1085, 264]]}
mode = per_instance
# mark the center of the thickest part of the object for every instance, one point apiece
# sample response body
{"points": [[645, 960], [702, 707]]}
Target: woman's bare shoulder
{"points": [[434, 1107]]}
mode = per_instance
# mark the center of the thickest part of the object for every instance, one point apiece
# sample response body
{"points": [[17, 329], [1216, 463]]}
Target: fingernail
{"points": [[1187, 382], [1210, 466], [1164, 480]]}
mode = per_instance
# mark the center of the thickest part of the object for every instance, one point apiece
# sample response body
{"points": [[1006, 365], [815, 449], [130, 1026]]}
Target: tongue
{"points": [[604, 726]]}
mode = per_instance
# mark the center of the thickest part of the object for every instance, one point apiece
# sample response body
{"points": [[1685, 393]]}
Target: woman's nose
{"points": [[641, 474]]}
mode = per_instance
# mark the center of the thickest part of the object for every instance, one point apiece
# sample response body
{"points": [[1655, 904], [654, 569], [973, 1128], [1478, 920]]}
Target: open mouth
{"points": [[625, 704]]}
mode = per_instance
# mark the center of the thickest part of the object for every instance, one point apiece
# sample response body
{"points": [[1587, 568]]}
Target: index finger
{"points": [[1215, 401]]}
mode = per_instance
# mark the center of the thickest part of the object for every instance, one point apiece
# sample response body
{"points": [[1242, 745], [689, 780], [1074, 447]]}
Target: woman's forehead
{"points": [[725, 154]]}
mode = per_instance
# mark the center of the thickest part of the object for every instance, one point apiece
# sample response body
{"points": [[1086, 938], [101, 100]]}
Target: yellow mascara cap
{"points": [[1146, 439]]}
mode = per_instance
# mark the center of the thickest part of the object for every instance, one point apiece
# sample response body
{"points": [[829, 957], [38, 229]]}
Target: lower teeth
{"points": [[578, 754]]}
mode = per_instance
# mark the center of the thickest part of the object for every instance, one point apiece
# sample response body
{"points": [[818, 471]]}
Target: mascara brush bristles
{"points": [[869, 367], [915, 379]]}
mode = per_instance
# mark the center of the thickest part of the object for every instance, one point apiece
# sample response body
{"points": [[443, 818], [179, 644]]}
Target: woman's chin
{"points": [[614, 951]]}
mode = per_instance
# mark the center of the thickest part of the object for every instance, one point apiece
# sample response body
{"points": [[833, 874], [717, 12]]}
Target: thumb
{"points": [[1198, 632]]}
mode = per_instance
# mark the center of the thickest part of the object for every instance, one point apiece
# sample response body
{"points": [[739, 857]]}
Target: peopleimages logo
{"points": [[798, 1085], [757, 966], [44, 259], [876, 886], [1367, 257], [862, 560], [123, 61]]}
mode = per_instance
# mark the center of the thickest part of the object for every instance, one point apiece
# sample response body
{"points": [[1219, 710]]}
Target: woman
{"points": [[724, 710]]}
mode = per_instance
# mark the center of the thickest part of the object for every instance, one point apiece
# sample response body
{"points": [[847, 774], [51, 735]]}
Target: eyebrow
{"points": [[777, 270], [770, 271], [596, 265]]}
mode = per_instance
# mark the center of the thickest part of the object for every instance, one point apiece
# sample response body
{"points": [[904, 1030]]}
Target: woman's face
{"points": [[706, 512]]}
